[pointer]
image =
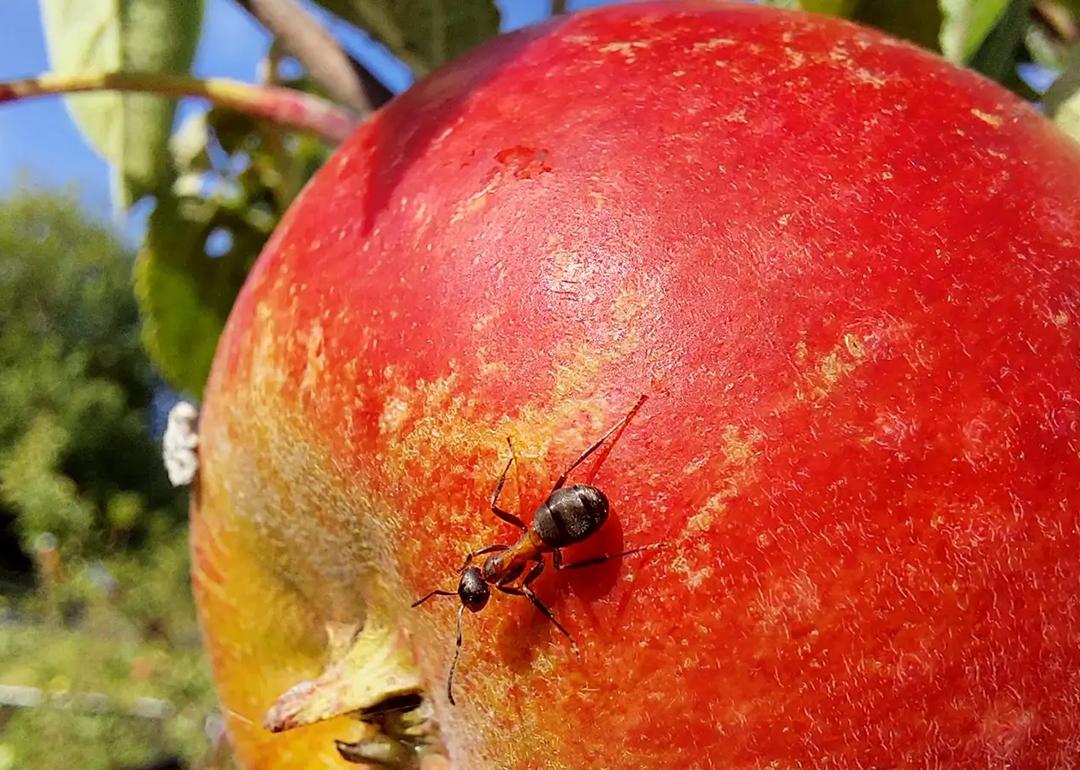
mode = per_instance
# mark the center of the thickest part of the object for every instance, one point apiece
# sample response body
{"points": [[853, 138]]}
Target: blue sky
{"points": [[39, 143]]}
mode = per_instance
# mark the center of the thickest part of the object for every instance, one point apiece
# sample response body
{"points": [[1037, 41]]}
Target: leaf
{"points": [[128, 130], [234, 178], [422, 33], [998, 54], [1068, 116], [368, 666], [843, 8], [1043, 46], [1062, 100], [185, 294], [965, 25], [916, 20]]}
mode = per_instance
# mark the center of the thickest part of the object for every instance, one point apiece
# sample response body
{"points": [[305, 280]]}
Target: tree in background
{"points": [[77, 460], [84, 495]]}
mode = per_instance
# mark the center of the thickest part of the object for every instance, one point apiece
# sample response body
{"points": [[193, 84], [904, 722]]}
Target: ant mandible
{"points": [[568, 516]]}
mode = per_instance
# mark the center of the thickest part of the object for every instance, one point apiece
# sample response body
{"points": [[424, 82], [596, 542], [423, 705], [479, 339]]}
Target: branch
{"points": [[13, 696], [283, 106], [343, 77], [1058, 19]]}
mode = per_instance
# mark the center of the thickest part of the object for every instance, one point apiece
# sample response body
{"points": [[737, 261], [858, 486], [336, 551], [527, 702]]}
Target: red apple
{"points": [[846, 273]]}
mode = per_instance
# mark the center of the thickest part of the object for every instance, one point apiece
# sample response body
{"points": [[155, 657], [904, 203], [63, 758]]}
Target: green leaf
{"points": [[185, 294], [1043, 46], [965, 24], [128, 130], [422, 33], [843, 8], [916, 20], [235, 176], [1068, 116], [1062, 100], [998, 53]]}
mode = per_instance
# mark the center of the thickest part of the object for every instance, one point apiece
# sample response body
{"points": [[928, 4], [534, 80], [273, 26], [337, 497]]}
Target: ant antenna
{"points": [[436, 592], [457, 654]]}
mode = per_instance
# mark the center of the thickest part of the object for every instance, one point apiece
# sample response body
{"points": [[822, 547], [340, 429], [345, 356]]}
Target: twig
{"points": [[284, 106], [1058, 18], [343, 77]]}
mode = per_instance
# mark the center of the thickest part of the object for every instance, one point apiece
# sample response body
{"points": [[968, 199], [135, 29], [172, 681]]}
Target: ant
{"points": [[568, 516]]}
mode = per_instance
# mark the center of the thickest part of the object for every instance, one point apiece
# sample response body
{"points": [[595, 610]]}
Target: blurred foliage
{"points": [[132, 638], [965, 25], [234, 178], [86, 508], [76, 456], [129, 130], [1063, 97], [993, 37], [424, 34]]}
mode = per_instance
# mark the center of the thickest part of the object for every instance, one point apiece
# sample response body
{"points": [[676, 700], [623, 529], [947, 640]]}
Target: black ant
{"points": [[568, 516]]}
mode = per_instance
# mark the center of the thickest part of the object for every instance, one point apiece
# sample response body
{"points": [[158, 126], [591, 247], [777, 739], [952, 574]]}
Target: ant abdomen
{"points": [[570, 515]]}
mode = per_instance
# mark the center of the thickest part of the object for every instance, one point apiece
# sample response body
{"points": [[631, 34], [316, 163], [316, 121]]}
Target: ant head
{"points": [[472, 590]]}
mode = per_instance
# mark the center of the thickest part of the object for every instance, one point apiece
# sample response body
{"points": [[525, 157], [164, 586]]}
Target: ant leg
{"points": [[517, 473], [506, 516], [556, 557], [457, 654], [481, 552], [436, 592], [527, 592], [582, 457]]}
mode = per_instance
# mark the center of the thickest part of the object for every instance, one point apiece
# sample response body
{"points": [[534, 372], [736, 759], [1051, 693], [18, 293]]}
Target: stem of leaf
{"points": [[282, 106]]}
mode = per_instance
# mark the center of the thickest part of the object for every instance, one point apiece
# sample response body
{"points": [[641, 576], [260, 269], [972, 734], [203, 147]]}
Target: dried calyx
{"points": [[370, 676]]}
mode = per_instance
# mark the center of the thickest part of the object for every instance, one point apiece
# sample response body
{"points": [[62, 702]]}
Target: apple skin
{"points": [[846, 273]]}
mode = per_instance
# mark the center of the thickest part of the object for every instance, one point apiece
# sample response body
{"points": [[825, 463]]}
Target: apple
{"points": [[847, 276]]}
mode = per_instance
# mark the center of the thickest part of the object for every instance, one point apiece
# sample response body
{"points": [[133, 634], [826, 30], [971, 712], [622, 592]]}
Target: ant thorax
{"points": [[506, 565], [497, 565]]}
